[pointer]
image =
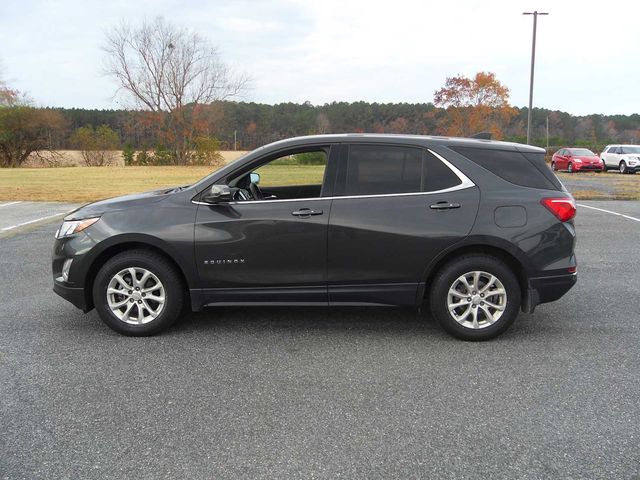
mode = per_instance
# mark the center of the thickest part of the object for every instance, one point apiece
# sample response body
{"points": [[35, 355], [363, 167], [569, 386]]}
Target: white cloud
{"points": [[341, 50]]}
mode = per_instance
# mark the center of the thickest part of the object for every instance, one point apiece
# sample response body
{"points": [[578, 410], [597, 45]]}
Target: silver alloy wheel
{"points": [[477, 299], [135, 295], [623, 167]]}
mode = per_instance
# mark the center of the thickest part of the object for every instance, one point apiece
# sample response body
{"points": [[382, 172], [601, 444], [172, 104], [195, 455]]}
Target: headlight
{"points": [[577, 160], [68, 228]]}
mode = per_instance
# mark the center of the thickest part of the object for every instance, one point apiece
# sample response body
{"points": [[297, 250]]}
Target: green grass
{"points": [[86, 184]]}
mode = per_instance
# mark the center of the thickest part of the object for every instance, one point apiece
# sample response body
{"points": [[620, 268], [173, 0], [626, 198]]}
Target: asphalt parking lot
{"points": [[18, 216], [318, 393]]}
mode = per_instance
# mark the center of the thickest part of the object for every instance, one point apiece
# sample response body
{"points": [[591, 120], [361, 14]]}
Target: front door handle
{"points": [[444, 206], [306, 212]]}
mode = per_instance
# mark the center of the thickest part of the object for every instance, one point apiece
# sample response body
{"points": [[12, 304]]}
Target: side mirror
{"points": [[255, 178], [217, 194]]}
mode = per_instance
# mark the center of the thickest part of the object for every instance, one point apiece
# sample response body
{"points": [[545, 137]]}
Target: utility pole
{"points": [[235, 139], [533, 63]]}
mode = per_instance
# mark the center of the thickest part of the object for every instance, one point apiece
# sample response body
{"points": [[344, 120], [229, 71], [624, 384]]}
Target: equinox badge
{"points": [[235, 261]]}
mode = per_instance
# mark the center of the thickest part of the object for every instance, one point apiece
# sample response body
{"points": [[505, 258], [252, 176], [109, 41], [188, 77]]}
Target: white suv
{"points": [[625, 158]]}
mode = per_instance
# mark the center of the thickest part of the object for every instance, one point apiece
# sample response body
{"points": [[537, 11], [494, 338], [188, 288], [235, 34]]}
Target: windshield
{"points": [[583, 152], [630, 149]]}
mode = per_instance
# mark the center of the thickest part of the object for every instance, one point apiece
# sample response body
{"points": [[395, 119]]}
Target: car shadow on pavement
{"points": [[339, 320]]}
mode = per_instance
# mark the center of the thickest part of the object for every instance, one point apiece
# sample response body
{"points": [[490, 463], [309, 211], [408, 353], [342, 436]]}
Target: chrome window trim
{"points": [[465, 182]]}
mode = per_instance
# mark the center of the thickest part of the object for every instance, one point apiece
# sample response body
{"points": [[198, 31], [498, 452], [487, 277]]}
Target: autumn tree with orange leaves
{"points": [[474, 105], [24, 129]]}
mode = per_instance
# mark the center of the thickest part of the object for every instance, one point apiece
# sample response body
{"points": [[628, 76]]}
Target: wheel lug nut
{"points": [[481, 303], [131, 300], [474, 292], [139, 301], [144, 294], [130, 292], [137, 288], [482, 295]]}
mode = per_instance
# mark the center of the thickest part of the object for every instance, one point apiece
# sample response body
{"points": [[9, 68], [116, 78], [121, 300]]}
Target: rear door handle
{"points": [[306, 212], [444, 206]]}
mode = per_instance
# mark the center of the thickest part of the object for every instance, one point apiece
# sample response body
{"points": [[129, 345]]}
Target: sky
{"points": [[587, 54]]}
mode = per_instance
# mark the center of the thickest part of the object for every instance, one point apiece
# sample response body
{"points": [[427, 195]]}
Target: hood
{"points": [[121, 203]]}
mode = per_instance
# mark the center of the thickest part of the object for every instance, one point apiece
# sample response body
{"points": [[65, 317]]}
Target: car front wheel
{"points": [[623, 167], [570, 168], [138, 293], [475, 297]]}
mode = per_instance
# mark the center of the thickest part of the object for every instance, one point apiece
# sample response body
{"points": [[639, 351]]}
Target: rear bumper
{"points": [[548, 289], [71, 294]]}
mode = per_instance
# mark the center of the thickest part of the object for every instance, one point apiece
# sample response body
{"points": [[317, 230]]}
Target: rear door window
{"points": [[389, 169]]}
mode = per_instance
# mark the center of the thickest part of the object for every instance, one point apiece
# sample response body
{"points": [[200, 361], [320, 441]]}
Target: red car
{"points": [[576, 160]]}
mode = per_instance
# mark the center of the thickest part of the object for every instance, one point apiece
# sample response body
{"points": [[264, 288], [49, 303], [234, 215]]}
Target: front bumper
{"points": [[74, 295], [590, 167]]}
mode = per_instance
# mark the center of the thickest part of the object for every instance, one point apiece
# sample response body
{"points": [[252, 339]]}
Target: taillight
{"points": [[563, 208]]}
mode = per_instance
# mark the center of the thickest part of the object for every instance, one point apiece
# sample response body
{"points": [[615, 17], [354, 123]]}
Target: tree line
{"points": [[254, 124]]}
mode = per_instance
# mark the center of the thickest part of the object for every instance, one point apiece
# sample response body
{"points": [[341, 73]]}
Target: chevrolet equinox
{"points": [[479, 230]]}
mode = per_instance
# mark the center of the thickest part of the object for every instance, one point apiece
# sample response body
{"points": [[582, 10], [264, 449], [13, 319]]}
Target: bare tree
{"points": [[8, 97], [170, 70]]}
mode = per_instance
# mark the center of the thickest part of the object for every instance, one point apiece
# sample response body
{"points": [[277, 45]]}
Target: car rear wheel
{"points": [[623, 167], [476, 297], [138, 293], [570, 168]]}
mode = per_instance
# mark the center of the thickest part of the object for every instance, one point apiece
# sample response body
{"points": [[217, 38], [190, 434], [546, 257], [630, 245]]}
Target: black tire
{"points": [[446, 279], [553, 166], [158, 266], [623, 167], [570, 168]]}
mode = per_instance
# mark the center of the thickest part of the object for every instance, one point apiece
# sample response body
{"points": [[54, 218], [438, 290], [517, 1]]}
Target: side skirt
{"points": [[396, 294]]}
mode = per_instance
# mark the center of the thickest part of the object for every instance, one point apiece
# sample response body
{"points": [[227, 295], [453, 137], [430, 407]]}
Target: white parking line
{"points": [[32, 221], [7, 204], [609, 211]]}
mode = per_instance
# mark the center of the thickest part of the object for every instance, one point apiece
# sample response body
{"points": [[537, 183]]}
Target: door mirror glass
{"points": [[255, 178], [217, 194]]}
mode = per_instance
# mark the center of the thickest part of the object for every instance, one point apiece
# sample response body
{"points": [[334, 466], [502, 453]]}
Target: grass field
{"points": [[86, 184], [602, 186]]}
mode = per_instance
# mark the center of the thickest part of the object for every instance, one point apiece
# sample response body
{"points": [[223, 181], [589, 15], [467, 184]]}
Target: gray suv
{"points": [[477, 229]]}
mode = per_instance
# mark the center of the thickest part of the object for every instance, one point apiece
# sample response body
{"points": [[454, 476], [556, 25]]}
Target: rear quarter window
{"points": [[524, 169]]}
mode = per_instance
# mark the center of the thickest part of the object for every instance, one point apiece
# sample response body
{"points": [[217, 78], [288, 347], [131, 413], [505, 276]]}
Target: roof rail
{"points": [[482, 135]]}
